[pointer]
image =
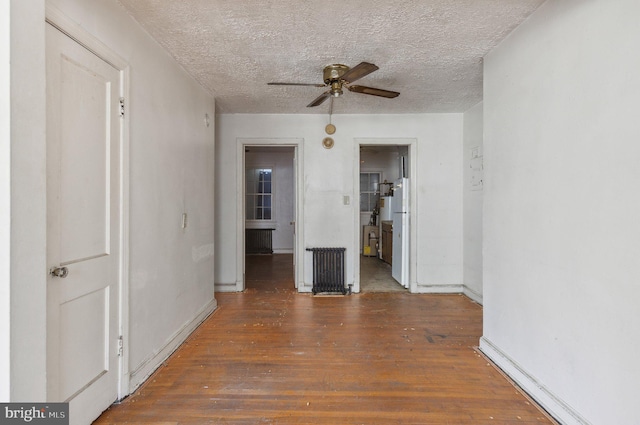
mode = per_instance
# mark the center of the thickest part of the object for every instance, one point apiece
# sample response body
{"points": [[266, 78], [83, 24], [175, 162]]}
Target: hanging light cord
{"points": [[330, 109]]}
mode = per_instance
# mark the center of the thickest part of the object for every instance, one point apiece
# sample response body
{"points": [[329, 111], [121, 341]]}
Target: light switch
{"points": [[346, 200], [184, 220]]}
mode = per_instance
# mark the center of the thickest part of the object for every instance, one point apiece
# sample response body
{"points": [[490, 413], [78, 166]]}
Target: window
{"points": [[369, 191], [259, 193]]}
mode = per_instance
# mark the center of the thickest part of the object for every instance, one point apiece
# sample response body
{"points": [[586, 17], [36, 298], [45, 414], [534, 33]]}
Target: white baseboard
{"points": [[144, 370], [283, 251], [472, 294], [225, 287], [557, 408], [439, 289]]}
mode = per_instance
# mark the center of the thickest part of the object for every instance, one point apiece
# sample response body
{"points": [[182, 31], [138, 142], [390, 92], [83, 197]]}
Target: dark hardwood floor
{"points": [[273, 356]]}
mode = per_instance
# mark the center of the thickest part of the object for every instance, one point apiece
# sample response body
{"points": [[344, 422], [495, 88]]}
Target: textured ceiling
{"points": [[428, 50]]}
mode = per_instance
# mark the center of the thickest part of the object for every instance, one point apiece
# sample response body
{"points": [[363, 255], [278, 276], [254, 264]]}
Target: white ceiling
{"points": [[428, 50]]}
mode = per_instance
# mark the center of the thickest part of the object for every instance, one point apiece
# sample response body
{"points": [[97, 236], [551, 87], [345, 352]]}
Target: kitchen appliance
{"points": [[400, 250]]}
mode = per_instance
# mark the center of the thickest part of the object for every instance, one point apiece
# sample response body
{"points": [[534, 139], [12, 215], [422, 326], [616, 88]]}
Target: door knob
{"points": [[61, 272]]}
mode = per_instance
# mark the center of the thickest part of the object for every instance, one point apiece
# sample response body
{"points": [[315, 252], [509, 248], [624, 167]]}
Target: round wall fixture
{"points": [[327, 142], [330, 129]]}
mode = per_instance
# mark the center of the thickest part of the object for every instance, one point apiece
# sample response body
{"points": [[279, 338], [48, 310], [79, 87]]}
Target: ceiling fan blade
{"points": [[373, 91], [324, 96], [296, 84], [358, 71]]}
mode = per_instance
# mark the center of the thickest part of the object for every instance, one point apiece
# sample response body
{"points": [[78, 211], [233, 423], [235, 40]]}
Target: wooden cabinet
{"points": [[387, 241]]}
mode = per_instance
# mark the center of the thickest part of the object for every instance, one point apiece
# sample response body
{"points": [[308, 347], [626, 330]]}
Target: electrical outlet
{"points": [[184, 220]]}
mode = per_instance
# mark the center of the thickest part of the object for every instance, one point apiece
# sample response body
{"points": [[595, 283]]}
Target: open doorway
{"points": [[384, 190], [269, 216]]}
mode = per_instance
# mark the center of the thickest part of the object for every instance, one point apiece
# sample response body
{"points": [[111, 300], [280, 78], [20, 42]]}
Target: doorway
{"points": [[385, 169], [270, 198]]}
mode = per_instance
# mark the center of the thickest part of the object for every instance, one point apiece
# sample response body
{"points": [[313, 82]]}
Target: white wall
{"points": [[284, 209], [472, 200], [328, 177], [171, 172], [22, 210], [561, 228], [5, 202]]}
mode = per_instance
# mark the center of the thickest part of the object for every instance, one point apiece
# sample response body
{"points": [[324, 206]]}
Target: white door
{"points": [[83, 227]]}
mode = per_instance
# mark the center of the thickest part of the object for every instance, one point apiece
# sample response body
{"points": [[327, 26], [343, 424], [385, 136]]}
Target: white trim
{"points": [[541, 394], [149, 365], [59, 20], [123, 382], [473, 295], [261, 224], [439, 289], [298, 254], [412, 144], [225, 287], [62, 22]]}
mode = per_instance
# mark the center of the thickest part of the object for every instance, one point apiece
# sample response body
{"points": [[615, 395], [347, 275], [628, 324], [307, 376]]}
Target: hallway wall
{"points": [[171, 172], [561, 232], [172, 169], [472, 199]]}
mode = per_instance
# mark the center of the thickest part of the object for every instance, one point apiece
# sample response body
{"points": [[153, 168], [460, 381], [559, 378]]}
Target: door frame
{"points": [[298, 250], [74, 31], [412, 145]]}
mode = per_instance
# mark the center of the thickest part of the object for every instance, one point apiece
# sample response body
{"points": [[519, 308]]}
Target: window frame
{"points": [[369, 192]]}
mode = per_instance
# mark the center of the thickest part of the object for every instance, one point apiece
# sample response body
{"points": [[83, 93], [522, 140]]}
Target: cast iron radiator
{"points": [[328, 270], [258, 241]]}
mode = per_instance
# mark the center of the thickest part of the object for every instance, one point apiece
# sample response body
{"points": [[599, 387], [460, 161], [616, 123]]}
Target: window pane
{"points": [[267, 187], [250, 208], [364, 201], [364, 181], [267, 214], [267, 201], [374, 179]]}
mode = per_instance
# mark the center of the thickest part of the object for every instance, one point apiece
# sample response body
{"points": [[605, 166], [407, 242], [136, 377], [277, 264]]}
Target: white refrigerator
{"points": [[400, 250]]}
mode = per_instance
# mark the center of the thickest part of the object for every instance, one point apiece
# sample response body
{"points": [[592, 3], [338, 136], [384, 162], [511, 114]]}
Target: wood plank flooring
{"points": [[273, 356]]}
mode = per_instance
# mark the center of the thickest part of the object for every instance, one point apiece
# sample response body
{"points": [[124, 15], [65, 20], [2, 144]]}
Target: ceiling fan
{"points": [[337, 76]]}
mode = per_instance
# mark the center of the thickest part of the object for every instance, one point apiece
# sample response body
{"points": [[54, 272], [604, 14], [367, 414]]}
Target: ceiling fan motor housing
{"points": [[333, 73]]}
